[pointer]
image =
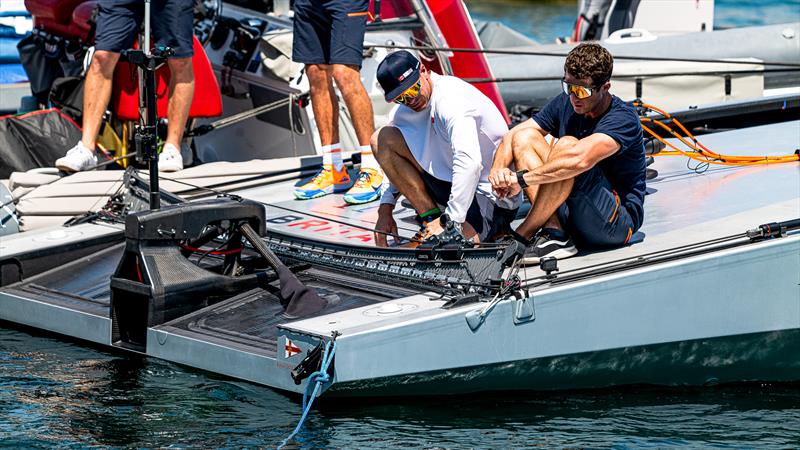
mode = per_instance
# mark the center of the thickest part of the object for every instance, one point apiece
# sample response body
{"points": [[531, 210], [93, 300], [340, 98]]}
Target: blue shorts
{"points": [[329, 31], [489, 220], [172, 22], [593, 214]]}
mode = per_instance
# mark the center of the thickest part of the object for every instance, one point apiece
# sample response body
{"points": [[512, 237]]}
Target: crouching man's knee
{"points": [[385, 140]]}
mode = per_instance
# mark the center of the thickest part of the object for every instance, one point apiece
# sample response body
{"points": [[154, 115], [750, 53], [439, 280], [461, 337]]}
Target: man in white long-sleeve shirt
{"points": [[437, 151]]}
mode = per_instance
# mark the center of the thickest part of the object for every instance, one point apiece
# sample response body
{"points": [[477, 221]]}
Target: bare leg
{"points": [[96, 94], [531, 151], [399, 165], [543, 212], [405, 172], [357, 100], [181, 91], [324, 103]]}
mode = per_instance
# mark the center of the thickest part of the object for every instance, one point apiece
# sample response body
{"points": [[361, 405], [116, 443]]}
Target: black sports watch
{"points": [[447, 222], [521, 178], [444, 220]]}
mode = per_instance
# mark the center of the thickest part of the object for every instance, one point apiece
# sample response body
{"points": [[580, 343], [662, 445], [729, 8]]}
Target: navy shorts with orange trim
{"points": [[329, 31], [172, 22], [593, 214]]}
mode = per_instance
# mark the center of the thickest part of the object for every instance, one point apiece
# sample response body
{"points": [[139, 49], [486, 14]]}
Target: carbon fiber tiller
{"points": [[298, 299]]}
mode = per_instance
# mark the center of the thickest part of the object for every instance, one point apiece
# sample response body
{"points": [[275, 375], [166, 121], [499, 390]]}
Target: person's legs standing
{"points": [[172, 22], [312, 43], [324, 103], [181, 91], [117, 26], [96, 94], [348, 24], [368, 185]]}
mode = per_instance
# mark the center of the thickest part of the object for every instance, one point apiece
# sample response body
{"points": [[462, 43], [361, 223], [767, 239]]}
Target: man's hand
{"points": [[504, 182], [498, 179], [385, 225], [433, 228]]}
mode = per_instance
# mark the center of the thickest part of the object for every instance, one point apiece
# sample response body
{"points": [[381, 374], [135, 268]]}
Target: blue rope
{"points": [[317, 379]]}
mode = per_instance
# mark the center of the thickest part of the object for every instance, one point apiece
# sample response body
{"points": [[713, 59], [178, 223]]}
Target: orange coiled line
{"points": [[698, 151]]}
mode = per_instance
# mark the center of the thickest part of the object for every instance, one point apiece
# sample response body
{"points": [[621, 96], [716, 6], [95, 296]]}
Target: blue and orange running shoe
{"points": [[367, 187], [328, 180]]}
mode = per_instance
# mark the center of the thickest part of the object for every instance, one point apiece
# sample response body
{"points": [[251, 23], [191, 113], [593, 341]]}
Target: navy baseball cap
{"points": [[398, 72]]}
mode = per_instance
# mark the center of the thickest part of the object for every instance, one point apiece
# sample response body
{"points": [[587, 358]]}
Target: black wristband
{"points": [[521, 178]]}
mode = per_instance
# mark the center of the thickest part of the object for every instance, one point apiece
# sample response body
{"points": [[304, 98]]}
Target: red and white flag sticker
{"points": [[290, 349]]}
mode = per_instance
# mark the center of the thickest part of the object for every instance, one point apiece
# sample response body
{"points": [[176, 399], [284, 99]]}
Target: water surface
{"points": [[59, 393]]}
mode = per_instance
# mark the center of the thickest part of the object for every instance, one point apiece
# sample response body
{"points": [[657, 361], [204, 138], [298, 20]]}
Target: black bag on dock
{"points": [[41, 65], [36, 139], [67, 95]]}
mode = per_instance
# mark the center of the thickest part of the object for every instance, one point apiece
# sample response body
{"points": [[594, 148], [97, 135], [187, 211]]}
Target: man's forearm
{"points": [[503, 156], [573, 161], [562, 167]]}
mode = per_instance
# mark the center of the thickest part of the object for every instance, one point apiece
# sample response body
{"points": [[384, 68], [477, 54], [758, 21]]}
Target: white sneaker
{"points": [[78, 158], [170, 159]]}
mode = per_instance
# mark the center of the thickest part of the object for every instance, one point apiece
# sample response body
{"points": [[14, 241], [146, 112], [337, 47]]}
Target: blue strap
{"points": [[316, 379]]}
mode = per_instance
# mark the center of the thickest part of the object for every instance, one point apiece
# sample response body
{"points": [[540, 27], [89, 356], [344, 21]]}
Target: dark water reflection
{"points": [[66, 394], [55, 393]]}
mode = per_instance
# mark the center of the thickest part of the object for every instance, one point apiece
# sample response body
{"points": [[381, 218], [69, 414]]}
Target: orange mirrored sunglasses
{"points": [[408, 94], [577, 90]]}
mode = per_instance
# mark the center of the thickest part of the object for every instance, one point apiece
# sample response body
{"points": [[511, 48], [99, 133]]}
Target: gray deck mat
{"points": [[251, 319], [81, 285]]}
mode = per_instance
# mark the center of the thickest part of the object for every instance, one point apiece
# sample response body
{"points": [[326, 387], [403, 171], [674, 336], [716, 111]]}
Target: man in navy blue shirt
{"points": [[588, 183]]}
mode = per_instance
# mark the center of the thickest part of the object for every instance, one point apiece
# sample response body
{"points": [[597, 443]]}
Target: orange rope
{"points": [[698, 151], [698, 156]]}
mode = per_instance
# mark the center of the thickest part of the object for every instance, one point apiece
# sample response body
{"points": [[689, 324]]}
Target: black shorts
{"points": [[329, 31], [489, 220], [593, 214], [172, 22]]}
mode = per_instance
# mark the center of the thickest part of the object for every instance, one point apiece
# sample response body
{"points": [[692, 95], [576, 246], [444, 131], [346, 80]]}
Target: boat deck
{"points": [[250, 321], [683, 206], [640, 309]]}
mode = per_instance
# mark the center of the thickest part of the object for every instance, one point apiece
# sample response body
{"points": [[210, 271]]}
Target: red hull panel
{"points": [[457, 28], [206, 102]]}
